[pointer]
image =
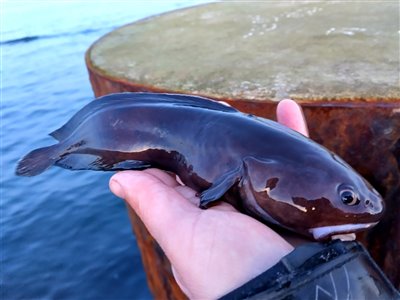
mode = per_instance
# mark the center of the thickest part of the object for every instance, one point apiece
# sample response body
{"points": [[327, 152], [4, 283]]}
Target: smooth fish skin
{"points": [[261, 167]]}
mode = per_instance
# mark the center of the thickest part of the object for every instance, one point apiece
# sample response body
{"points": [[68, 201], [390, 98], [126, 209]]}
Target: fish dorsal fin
{"points": [[121, 99], [181, 100]]}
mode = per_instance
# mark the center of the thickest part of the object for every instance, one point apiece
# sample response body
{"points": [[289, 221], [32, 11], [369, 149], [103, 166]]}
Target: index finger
{"points": [[290, 114]]}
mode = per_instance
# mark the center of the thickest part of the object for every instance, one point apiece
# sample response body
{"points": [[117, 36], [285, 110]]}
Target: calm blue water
{"points": [[63, 234]]}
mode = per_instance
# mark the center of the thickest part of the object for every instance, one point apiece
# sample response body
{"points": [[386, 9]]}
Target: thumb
{"points": [[156, 202], [117, 186]]}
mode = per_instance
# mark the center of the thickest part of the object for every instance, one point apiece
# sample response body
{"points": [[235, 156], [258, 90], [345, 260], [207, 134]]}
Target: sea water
{"points": [[63, 234]]}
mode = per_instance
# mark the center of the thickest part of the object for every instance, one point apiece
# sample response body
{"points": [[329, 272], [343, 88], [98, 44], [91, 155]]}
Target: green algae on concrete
{"points": [[262, 50]]}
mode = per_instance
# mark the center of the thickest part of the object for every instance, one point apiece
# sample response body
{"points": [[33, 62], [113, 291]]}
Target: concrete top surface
{"points": [[262, 50]]}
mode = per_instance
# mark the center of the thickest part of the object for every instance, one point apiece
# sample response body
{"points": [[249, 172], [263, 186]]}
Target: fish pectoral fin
{"points": [[220, 187]]}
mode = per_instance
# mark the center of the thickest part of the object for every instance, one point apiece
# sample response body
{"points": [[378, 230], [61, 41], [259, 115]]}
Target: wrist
{"points": [[218, 281]]}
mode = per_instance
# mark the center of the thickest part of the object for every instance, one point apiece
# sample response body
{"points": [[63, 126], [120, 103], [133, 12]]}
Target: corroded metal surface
{"points": [[158, 269]]}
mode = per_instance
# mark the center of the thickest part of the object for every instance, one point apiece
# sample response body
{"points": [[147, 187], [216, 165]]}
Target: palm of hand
{"points": [[211, 251]]}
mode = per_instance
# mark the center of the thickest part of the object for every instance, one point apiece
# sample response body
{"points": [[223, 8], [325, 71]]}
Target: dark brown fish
{"points": [[263, 168]]}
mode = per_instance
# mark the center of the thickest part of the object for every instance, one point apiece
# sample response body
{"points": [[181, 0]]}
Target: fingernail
{"points": [[117, 188]]}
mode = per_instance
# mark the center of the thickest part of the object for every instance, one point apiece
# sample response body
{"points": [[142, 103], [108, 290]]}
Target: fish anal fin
{"points": [[220, 187], [131, 165], [97, 159]]}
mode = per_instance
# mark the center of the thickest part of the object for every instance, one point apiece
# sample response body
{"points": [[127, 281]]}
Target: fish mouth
{"points": [[326, 231]]}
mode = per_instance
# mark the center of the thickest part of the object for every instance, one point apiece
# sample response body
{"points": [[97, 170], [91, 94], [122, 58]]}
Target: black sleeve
{"points": [[334, 270]]}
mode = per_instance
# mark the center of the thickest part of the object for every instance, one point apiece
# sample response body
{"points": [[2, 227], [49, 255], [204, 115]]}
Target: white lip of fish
{"points": [[321, 232]]}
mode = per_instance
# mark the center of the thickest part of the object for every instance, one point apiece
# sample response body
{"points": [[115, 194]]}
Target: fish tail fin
{"points": [[38, 161]]}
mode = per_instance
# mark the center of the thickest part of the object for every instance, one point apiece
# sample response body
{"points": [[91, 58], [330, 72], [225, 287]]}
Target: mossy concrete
{"points": [[262, 50]]}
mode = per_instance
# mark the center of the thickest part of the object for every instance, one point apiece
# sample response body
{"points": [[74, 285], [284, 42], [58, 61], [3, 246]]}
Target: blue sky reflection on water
{"points": [[64, 236]]}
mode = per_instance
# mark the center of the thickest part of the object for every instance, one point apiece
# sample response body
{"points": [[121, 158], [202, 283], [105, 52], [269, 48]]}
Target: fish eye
{"points": [[348, 197]]}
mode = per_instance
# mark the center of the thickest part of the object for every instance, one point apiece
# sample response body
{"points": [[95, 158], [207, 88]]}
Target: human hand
{"points": [[211, 251]]}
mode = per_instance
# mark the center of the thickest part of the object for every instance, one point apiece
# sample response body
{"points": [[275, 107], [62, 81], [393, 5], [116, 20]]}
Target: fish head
{"points": [[320, 199]]}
